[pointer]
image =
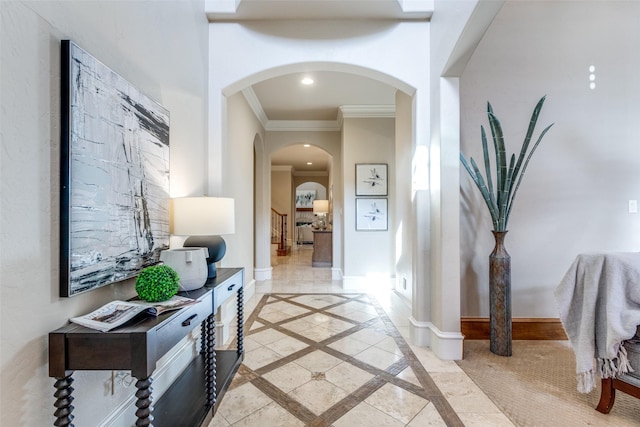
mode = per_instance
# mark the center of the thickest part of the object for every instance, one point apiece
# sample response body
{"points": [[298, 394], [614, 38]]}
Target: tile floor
{"points": [[331, 353]]}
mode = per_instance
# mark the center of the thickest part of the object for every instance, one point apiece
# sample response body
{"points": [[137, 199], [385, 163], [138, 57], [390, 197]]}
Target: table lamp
{"points": [[321, 208], [203, 219]]}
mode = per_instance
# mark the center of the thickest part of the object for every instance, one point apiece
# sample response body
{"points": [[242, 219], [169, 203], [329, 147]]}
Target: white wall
{"points": [[274, 48], [238, 183], [160, 47], [574, 196], [368, 252]]}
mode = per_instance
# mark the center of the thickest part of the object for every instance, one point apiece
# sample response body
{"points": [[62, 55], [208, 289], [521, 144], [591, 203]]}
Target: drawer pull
{"points": [[188, 320], [230, 288]]}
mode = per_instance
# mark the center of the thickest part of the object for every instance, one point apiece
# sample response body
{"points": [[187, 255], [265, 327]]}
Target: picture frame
{"points": [[372, 214], [305, 198], [114, 175], [371, 179]]}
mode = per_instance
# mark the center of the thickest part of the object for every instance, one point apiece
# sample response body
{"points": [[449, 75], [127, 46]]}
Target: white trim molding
{"points": [[445, 345], [262, 274]]}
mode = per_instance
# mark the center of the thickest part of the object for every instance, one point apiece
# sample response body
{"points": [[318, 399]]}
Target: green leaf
{"points": [[508, 180]]}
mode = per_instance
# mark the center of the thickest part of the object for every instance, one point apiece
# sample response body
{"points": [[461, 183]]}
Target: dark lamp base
{"points": [[216, 247]]}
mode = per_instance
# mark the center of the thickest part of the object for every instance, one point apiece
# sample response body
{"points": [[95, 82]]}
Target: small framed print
{"points": [[371, 179], [371, 214]]}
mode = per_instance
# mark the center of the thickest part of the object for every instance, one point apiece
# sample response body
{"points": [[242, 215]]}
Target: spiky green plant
{"points": [[500, 199]]}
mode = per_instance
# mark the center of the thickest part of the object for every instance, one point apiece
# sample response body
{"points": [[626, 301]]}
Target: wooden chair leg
{"points": [[607, 396]]}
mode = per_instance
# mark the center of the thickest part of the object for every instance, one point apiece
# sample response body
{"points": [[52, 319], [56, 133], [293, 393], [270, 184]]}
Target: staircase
{"points": [[279, 232]]}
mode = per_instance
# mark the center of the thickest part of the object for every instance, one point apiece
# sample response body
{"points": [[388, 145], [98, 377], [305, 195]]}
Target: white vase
{"points": [[190, 264]]}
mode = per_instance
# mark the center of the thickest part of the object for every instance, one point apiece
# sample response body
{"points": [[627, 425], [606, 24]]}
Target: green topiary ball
{"points": [[157, 283]]}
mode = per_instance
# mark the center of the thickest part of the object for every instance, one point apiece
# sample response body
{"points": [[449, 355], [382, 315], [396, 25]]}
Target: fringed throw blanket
{"points": [[599, 303]]}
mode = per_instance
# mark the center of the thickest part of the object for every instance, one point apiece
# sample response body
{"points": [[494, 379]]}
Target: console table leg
{"points": [[210, 360], [240, 333], [607, 396], [144, 402], [63, 401]]}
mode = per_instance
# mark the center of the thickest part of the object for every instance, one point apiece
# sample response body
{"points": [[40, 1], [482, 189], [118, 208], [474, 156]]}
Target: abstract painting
{"points": [[371, 214], [305, 198], [371, 179], [114, 205]]}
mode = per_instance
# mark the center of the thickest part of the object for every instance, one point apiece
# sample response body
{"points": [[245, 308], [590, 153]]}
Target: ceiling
{"points": [[284, 103]]}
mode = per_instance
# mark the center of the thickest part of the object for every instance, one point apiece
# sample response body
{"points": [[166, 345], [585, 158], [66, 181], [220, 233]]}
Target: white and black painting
{"points": [[114, 175], [371, 179], [371, 214]]}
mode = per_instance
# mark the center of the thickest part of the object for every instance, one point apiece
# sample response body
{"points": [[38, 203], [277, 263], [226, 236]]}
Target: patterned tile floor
{"points": [[333, 353]]}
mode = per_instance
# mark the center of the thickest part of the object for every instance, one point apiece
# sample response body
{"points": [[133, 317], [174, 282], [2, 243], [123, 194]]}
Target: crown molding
{"points": [[344, 111], [367, 111], [310, 173], [304, 125], [255, 106], [282, 168]]}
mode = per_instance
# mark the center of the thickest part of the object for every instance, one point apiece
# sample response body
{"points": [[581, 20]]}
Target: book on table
{"points": [[117, 313]]}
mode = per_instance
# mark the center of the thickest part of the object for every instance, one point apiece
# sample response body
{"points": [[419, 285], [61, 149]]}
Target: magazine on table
{"points": [[116, 313]]}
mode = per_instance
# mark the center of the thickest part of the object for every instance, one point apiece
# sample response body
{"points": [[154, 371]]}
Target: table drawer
{"points": [[180, 325], [227, 290]]}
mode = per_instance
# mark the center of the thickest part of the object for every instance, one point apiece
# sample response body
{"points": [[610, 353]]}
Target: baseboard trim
{"points": [[522, 328]]}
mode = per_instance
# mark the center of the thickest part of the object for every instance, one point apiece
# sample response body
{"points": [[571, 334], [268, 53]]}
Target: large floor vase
{"points": [[500, 297]]}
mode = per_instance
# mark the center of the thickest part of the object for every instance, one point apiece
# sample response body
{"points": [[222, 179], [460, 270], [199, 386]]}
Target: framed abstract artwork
{"points": [[114, 175], [371, 214], [305, 198], [371, 179]]}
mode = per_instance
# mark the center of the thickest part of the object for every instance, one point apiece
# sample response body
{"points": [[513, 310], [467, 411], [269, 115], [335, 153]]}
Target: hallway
{"points": [[320, 353]]}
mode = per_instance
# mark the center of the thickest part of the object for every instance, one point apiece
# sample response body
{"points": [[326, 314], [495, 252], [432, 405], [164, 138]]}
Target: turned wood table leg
{"points": [[210, 359], [240, 333], [144, 402], [64, 398], [607, 396]]}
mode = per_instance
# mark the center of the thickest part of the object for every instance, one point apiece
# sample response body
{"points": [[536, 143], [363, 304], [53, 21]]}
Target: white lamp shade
{"points": [[320, 206], [203, 216]]}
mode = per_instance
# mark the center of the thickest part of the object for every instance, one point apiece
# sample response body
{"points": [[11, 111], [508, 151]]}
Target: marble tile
{"points": [[318, 395], [463, 394], [432, 363], [397, 402], [298, 326], [483, 420], [409, 376], [369, 336], [287, 346], [365, 415], [317, 333], [349, 346], [241, 402], [267, 336], [320, 381], [348, 377], [256, 325], [270, 415], [250, 344], [260, 357], [288, 377], [429, 417], [389, 344], [275, 316], [318, 361], [378, 358]]}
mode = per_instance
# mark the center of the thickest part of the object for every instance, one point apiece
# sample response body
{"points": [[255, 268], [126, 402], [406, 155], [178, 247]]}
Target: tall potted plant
{"points": [[499, 200]]}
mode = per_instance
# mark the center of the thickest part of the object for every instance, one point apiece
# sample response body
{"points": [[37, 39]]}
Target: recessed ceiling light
{"points": [[309, 163], [307, 81], [307, 145]]}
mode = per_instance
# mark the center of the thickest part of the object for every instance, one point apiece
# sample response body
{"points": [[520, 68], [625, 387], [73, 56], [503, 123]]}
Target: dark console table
{"points": [[193, 398]]}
